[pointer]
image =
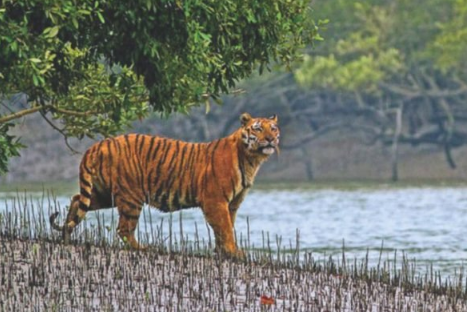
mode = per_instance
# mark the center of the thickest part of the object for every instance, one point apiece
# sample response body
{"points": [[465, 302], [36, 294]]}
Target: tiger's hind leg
{"points": [[129, 212]]}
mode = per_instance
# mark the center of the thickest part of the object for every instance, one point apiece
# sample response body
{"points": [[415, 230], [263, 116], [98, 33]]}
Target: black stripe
{"points": [[141, 144], [85, 193], [175, 154], [127, 149], [83, 206], [101, 167], [132, 205], [163, 203], [176, 201], [99, 147], [86, 168], [212, 157], [141, 175], [76, 219], [205, 177], [125, 177], [129, 192], [158, 193], [137, 137], [109, 152], [138, 170], [189, 163], [148, 152], [185, 191], [126, 164], [156, 150], [170, 176], [111, 160], [192, 172], [127, 138], [165, 147], [149, 186], [84, 181], [179, 174]]}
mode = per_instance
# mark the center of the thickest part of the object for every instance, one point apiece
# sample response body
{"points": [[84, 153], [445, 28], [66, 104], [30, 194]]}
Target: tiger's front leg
{"points": [[219, 218], [235, 205]]}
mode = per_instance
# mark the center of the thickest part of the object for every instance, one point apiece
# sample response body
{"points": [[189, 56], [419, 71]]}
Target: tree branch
{"points": [[20, 114], [51, 107], [65, 136]]}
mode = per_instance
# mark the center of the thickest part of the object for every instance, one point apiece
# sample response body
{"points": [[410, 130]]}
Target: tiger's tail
{"points": [[53, 224], [79, 206], [72, 211]]}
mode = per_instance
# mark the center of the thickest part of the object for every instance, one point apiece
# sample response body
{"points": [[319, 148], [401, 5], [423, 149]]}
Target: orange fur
{"points": [[130, 170]]}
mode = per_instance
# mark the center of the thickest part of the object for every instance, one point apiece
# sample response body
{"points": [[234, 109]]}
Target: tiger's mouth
{"points": [[268, 149]]}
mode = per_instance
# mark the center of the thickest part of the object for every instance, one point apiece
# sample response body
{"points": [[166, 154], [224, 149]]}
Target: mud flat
{"points": [[42, 275]]}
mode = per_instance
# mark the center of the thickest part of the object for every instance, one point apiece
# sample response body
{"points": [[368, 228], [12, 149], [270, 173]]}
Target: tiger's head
{"points": [[260, 136]]}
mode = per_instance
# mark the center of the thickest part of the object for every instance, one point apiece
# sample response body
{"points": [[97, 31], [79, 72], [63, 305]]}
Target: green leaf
{"points": [[51, 31], [75, 22], [101, 18]]}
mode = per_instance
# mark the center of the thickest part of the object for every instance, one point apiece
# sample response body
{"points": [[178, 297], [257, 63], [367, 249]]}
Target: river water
{"points": [[427, 224]]}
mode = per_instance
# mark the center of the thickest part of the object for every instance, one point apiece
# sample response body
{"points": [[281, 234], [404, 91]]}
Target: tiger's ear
{"points": [[274, 118], [245, 118]]}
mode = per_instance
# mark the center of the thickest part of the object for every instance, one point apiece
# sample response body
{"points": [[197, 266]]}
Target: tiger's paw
{"points": [[131, 243], [236, 254], [239, 255]]}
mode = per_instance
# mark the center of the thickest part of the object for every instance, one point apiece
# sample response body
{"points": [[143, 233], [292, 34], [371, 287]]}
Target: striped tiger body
{"points": [[130, 170]]}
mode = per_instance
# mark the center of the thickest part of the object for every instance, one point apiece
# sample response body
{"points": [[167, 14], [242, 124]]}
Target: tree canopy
{"points": [[91, 67]]}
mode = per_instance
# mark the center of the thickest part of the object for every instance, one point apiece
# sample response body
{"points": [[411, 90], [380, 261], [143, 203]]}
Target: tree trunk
{"points": [[308, 164], [395, 144]]}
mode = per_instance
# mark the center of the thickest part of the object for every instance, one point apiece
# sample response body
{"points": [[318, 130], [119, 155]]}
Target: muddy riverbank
{"points": [[42, 275]]}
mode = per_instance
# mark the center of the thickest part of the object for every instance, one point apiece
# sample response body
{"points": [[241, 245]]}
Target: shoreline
{"points": [[70, 186]]}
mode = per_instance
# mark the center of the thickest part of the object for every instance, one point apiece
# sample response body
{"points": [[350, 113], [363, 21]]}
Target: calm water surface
{"points": [[428, 224]]}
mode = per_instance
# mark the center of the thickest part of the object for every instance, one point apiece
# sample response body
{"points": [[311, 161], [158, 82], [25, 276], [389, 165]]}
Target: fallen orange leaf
{"points": [[267, 300]]}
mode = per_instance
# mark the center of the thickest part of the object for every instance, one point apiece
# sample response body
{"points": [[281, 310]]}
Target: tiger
{"points": [[131, 170]]}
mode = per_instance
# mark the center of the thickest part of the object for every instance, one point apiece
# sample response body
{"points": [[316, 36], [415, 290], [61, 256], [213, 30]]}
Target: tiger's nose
{"points": [[269, 138]]}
